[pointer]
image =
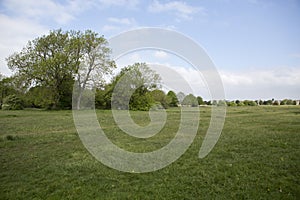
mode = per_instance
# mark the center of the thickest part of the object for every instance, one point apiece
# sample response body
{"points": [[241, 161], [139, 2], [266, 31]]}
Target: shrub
{"points": [[231, 103], [12, 102]]}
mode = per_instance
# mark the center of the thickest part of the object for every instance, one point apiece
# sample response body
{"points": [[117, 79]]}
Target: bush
{"points": [[231, 103], [12, 102]]}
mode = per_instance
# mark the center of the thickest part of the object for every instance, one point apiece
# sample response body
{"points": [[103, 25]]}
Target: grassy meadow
{"points": [[256, 157]]}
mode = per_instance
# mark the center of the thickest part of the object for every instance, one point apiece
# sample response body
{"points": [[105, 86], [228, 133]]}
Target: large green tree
{"points": [[56, 60], [46, 61]]}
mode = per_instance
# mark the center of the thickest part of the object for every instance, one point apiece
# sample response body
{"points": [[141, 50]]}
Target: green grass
{"points": [[256, 157]]}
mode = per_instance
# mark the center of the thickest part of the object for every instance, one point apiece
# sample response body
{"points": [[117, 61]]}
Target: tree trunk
{"points": [[78, 100]]}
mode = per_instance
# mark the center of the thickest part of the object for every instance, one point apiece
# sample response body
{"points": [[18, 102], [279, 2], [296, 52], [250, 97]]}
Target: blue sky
{"points": [[255, 44]]}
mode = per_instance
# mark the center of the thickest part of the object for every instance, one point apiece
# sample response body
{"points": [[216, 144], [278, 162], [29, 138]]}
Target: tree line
{"points": [[54, 70]]}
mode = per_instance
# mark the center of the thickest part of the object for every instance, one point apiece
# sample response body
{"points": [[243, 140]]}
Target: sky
{"points": [[254, 44]]}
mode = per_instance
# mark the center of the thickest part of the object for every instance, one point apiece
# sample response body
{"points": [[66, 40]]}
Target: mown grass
{"points": [[256, 157]]}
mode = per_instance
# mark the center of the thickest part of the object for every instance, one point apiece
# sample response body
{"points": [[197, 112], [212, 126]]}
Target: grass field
{"points": [[256, 157]]}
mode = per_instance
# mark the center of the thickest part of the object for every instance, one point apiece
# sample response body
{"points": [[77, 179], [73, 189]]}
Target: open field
{"points": [[256, 157]]}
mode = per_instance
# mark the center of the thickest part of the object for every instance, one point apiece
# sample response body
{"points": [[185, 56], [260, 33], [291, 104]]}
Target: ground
{"points": [[256, 157]]}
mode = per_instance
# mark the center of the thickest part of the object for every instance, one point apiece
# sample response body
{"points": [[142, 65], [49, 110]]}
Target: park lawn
{"points": [[256, 157]]}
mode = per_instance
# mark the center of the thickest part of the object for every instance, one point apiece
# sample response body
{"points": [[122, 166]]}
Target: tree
{"points": [[214, 102], [207, 103], [58, 59], [38, 97], [12, 102], [268, 102], [200, 100], [172, 99], [46, 61], [289, 102], [190, 100], [134, 84], [94, 62], [160, 97], [7, 87], [180, 97], [231, 103], [249, 103]]}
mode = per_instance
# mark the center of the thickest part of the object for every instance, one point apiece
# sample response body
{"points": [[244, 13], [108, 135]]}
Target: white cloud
{"points": [[160, 54], [108, 28], [60, 12], [46, 10], [135, 57], [14, 34], [273, 77], [131, 4], [173, 79], [277, 83], [119, 24], [181, 9], [280, 82], [122, 21]]}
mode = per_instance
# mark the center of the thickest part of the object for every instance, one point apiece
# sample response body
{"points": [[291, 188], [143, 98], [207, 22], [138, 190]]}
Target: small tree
{"points": [[231, 103], [12, 102], [172, 99], [137, 80], [180, 97], [190, 100], [276, 103], [7, 87], [200, 100], [159, 97]]}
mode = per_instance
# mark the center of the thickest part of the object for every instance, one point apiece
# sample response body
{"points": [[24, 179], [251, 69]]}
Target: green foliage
{"points": [[137, 79], [190, 100], [56, 60], [180, 97], [172, 99], [95, 62], [141, 100], [10, 86], [160, 98], [12, 102], [6, 88], [46, 69], [231, 103], [39, 97], [46, 61], [200, 100], [268, 102], [287, 102], [221, 103], [249, 103], [207, 103], [214, 103], [102, 98]]}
